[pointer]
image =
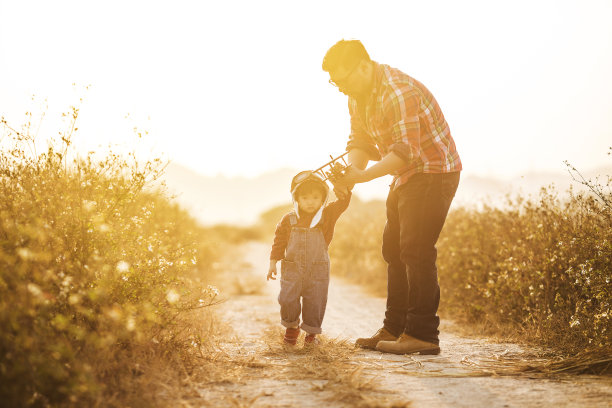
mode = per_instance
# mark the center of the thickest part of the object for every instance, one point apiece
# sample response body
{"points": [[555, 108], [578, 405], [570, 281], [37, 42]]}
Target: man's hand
{"points": [[353, 176], [272, 270]]}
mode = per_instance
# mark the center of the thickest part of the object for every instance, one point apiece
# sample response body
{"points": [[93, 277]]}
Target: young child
{"points": [[300, 243]]}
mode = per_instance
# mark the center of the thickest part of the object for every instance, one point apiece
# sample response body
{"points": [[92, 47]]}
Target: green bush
{"points": [[95, 268], [540, 266], [355, 250]]}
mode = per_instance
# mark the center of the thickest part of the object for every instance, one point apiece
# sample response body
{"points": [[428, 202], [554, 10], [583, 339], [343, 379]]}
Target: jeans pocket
{"points": [[451, 183], [289, 270]]}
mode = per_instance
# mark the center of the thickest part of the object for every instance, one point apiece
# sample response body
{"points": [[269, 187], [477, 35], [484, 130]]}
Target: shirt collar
{"points": [[378, 76]]}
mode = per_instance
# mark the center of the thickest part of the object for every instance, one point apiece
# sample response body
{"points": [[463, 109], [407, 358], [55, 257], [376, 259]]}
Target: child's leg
{"points": [[289, 296], [314, 294]]}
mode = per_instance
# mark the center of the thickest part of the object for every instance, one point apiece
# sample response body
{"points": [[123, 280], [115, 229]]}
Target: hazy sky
{"points": [[236, 87]]}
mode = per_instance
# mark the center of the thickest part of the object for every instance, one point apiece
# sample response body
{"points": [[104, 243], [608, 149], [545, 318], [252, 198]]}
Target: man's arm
{"points": [[358, 158], [390, 163]]}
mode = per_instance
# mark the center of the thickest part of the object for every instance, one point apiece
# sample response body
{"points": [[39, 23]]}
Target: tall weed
{"points": [[541, 266], [97, 275]]}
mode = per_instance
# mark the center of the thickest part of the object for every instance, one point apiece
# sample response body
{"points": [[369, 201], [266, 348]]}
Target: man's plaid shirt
{"points": [[403, 117]]}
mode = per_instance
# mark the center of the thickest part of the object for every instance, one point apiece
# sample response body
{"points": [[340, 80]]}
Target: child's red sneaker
{"points": [[291, 335], [311, 340]]}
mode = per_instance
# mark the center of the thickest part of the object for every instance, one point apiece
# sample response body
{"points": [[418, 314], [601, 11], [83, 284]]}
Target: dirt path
{"points": [[263, 374]]}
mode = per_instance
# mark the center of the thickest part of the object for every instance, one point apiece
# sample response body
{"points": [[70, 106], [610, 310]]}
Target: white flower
{"points": [[25, 253], [172, 296], [34, 289], [74, 299], [130, 324], [213, 290], [89, 205], [123, 266]]}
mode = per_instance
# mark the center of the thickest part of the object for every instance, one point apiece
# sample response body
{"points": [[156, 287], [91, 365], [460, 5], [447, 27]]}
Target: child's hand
{"points": [[272, 271], [342, 190]]}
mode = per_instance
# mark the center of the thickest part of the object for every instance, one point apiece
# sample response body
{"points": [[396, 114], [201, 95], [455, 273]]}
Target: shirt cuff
{"points": [[369, 149]]}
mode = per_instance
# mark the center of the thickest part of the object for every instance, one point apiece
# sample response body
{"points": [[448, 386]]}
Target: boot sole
{"points": [[365, 347], [426, 352], [430, 352]]}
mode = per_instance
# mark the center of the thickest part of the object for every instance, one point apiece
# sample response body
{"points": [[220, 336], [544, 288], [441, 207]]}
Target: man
{"points": [[396, 121]]}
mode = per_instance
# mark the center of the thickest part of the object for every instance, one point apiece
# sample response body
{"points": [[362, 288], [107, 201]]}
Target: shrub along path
{"points": [[470, 372]]}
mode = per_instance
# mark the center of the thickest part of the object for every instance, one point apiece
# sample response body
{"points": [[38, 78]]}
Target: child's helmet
{"points": [[308, 177]]}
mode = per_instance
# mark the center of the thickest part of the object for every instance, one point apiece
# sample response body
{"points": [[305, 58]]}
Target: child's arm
{"points": [[333, 210], [281, 237], [340, 205], [272, 270]]}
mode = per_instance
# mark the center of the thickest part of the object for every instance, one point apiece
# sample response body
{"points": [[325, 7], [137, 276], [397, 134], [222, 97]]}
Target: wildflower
{"points": [[130, 324], [74, 299], [89, 205], [34, 289], [172, 296], [213, 290], [25, 253], [123, 266], [114, 313], [67, 281]]}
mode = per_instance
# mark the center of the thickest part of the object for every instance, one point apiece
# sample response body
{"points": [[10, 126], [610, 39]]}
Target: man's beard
{"points": [[353, 95]]}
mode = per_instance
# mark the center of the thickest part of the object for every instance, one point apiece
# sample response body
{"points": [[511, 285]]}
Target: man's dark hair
{"points": [[345, 53]]}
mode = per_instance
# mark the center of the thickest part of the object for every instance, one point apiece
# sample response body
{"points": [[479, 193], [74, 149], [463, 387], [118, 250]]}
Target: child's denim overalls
{"points": [[304, 273]]}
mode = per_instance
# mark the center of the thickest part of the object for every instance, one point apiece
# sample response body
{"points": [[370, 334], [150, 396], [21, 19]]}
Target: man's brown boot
{"points": [[371, 342], [407, 344]]}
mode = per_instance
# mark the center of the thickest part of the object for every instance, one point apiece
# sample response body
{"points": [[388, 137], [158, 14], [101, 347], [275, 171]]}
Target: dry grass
{"points": [[246, 285], [594, 362], [230, 376], [332, 366]]}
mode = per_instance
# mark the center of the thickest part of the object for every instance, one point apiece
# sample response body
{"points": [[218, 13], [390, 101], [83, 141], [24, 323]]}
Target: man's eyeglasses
{"points": [[337, 82]]}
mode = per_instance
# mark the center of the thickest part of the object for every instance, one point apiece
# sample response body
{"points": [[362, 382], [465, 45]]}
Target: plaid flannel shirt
{"points": [[403, 117]]}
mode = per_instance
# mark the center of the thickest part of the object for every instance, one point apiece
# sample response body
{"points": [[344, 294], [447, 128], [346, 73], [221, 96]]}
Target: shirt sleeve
{"points": [[281, 238], [401, 110], [335, 209], [359, 139]]}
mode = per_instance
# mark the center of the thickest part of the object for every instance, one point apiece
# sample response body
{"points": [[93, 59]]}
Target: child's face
{"points": [[310, 200]]}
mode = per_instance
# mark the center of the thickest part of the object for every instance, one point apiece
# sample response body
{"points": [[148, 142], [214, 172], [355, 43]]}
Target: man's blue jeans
{"points": [[416, 212]]}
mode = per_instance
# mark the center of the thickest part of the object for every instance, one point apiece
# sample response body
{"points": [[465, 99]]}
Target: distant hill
{"points": [[221, 199], [240, 200], [474, 190]]}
